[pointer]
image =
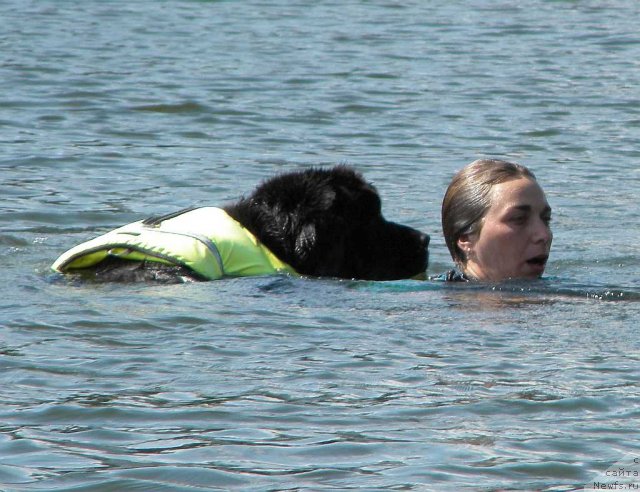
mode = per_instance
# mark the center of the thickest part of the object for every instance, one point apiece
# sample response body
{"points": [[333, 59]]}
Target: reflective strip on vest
{"points": [[206, 240]]}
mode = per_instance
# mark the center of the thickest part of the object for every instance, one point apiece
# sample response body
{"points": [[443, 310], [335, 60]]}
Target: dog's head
{"points": [[328, 222], [367, 246]]}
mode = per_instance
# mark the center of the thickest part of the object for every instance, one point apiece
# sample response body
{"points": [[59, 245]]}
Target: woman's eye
{"points": [[518, 219], [546, 219]]}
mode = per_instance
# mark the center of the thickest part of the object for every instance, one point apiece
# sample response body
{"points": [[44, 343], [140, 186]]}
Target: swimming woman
{"points": [[495, 220]]}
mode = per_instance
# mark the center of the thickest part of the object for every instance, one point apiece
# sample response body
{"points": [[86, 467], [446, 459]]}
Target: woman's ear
{"points": [[465, 244]]}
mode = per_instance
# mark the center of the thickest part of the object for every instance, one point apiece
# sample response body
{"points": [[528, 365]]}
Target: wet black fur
{"points": [[322, 222], [328, 223]]}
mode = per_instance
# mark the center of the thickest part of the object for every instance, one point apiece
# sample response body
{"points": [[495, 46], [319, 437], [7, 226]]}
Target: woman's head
{"points": [[495, 220]]}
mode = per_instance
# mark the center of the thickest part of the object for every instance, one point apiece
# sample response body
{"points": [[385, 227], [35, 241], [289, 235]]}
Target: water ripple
{"points": [[112, 113]]}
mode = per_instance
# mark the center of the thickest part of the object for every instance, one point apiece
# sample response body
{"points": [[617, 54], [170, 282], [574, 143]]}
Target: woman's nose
{"points": [[542, 232]]}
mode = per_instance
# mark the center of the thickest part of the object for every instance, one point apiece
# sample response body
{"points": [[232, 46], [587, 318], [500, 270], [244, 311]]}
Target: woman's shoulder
{"points": [[453, 275]]}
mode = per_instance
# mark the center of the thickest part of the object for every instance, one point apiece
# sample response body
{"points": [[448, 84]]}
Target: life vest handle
{"points": [[156, 220]]}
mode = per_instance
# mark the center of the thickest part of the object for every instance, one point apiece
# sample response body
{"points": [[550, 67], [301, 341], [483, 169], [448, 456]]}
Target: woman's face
{"points": [[514, 238]]}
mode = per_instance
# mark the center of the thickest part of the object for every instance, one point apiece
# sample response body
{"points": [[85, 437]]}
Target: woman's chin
{"points": [[535, 270], [530, 272]]}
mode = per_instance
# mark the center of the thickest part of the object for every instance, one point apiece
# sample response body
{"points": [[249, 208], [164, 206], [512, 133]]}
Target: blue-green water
{"points": [[111, 111]]}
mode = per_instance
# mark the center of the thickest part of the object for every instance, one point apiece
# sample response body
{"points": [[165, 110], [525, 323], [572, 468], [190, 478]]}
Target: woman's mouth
{"points": [[538, 263]]}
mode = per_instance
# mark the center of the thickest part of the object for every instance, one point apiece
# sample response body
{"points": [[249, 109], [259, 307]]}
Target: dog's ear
{"points": [[305, 241], [325, 199]]}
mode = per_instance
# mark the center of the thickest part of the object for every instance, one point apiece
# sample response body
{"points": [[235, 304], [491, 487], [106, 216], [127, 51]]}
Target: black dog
{"points": [[322, 222], [329, 223]]}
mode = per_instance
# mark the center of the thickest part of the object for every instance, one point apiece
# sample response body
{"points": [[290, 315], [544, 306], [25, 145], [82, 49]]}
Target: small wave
{"points": [[185, 107], [571, 290], [532, 289]]}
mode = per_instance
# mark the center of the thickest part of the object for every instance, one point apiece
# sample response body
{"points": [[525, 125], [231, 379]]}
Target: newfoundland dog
{"points": [[322, 222]]}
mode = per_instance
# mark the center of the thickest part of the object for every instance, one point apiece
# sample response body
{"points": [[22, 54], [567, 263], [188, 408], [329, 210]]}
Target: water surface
{"points": [[114, 111]]}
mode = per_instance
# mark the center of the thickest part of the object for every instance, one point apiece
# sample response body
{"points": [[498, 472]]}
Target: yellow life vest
{"points": [[206, 240]]}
